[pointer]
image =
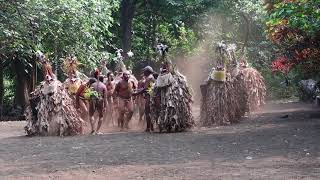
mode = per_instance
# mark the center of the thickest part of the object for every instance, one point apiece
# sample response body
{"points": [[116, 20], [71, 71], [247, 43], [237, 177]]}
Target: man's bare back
{"points": [[98, 104], [99, 87]]}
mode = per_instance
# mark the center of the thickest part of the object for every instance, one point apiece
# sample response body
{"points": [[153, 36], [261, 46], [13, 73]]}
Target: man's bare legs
{"points": [[110, 112], [122, 111], [141, 108], [92, 122], [92, 109], [84, 109], [141, 116], [96, 106], [129, 106], [148, 117], [116, 111], [125, 106], [99, 123]]}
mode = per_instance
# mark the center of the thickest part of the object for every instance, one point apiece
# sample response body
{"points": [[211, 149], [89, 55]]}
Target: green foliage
{"points": [[276, 87], [291, 22], [57, 28], [169, 22], [303, 15], [294, 26], [9, 93], [90, 30]]}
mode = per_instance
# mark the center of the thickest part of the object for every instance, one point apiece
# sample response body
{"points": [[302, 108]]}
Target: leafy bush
{"points": [[8, 93]]}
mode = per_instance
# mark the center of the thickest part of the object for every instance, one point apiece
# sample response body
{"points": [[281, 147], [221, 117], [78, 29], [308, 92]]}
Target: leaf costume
{"points": [[51, 111]]}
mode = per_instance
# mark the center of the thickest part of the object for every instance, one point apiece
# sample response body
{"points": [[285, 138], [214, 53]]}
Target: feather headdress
{"points": [[46, 66], [71, 64]]}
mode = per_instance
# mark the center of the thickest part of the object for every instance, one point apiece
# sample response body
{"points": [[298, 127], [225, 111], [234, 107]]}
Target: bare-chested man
{"points": [[111, 85], [149, 81], [98, 103], [124, 90]]}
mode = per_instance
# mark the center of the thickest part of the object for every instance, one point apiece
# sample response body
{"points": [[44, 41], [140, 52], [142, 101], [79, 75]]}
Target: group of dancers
{"points": [[56, 108], [112, 96]]}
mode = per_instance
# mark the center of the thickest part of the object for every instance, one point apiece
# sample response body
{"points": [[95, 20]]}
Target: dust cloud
{"points": [[197, 66]]}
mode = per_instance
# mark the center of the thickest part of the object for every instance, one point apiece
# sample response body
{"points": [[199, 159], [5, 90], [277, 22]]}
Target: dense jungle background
{"points": [[281, 38]]}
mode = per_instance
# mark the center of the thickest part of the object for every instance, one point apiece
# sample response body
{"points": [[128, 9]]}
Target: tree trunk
{"points": [[33, 81], [247, 32], [153, 35], [127, 15], [22, 87], [1, 85], [149, 31]]}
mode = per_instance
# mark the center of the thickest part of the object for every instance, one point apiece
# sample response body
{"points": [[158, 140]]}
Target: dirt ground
{"points": [[264, 145]]}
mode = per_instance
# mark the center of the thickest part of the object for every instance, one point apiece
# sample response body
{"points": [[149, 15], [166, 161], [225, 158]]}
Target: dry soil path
{"points": [[263, 146]]}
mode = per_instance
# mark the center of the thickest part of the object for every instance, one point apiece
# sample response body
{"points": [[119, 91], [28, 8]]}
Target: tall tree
{"points": [[1, 84], [126, 19], [57, 28]]}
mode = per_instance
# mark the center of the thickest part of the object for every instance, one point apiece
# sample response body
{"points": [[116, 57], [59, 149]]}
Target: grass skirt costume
{"points": [[171, 103], [51, 111]]}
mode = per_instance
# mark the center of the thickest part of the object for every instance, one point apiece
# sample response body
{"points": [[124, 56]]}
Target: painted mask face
{"points": [[73, 80], [50, 87], [48, 79]]}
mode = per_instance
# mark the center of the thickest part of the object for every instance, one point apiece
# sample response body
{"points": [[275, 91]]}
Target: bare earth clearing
{"points": [[264, 146]]}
